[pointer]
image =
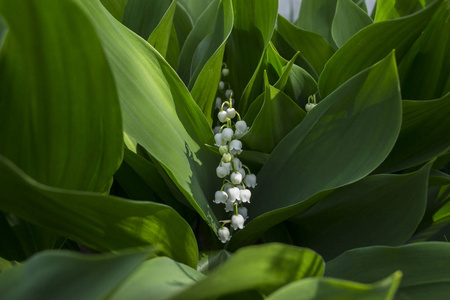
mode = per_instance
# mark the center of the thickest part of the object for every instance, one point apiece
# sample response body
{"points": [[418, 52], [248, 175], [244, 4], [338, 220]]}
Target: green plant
{"points": [[107, 110]]}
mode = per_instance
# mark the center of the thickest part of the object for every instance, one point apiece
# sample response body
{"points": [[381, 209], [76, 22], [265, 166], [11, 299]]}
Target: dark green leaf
{"points": [[264, 268], [164, 31], [210, 260], [335, 289], [366, 109], [423, 135], [115, 7], [425, 268], [68, 275], [355, 215], [311, 45], [195, 8], [97, 221], [370, 45], [429, 55], [392, 9], [348, 20]]}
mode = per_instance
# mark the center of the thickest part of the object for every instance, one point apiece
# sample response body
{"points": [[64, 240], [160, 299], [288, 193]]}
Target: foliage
{"points": [[107, 112]]}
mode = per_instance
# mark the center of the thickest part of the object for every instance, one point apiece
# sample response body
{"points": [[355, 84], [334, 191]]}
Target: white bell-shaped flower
{"points": [[235, 146], [250, 180], [225, 72], [218, 103], [216, 129], [221, 172], [242, 171], [227, 187], [227, 167], [237, 164], [222, 116], [221, 85], [241, 126], [231, 113], [226, 157], [243, 211], [236, 177], [218, 138], [245, 195], [309, 106], [228, 93], [234, 194], [227, 134], [223, 149], [237, 221], [220, 197], [229, 206], [224, 234]]}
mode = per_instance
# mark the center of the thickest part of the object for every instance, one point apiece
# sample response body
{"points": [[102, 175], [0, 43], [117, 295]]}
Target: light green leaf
{"points": [[158, 111], [429, 55], [115, 7], [277, 117], [6, 265], [311, 45], [392, 9], [370, 45], [423, 135], [425, 268], [348, 20], [210, 260], [354, 215], [264, 268], [208, 71], [161, 35], [254, 23], [195, 8], [100, 222], [159, 278], [68, 275], [366, 109], [335, 289]]}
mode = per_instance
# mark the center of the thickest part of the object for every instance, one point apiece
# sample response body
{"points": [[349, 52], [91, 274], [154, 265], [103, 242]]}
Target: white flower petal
{"points": [[237, 221], [224, 234]]}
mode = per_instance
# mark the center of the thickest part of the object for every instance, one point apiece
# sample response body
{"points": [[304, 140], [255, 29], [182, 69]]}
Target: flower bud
{"points": [[223, 149], [225, 72], [218, 103], [245, 195], [224, 234], [309, 106], [237, 221], [250, 180], [222, 116], [216, 129], [221, 85], [227, 134], [241, 126], [218, 138], [236, 177], [234, 194], [221, 172], [235, 147], [243, 212], [228, 93], [231, 113], [220, 197], [226, 157]]}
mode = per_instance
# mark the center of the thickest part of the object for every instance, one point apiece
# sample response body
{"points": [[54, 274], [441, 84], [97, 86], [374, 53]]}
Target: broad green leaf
{"points": [[68, 275], [6, 265], [370, 45], [336, 289], [392, 9], [10, 246], [354, 215], [311, 45], [3, 31], [143, 16], [348, 20], [317, 16], [429, 55], [208, 71], [366, 109], [264, 268], [423, 135], [182, 23], [55, 127], [159, 278], [161, 35], [425, 268], [210, 260], [115, 7], [195, 8], [100, 222], [254, 23], [277, 117], [158, 111]]}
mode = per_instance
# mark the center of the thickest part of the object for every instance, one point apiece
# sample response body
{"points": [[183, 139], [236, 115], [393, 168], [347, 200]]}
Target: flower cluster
{"points": [[237, 178]]}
